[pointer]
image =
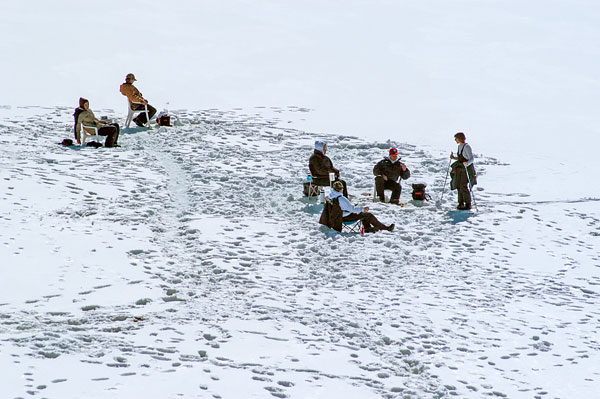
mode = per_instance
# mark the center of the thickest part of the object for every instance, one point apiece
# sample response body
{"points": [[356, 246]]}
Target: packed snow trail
{"points": [[188, 259]]}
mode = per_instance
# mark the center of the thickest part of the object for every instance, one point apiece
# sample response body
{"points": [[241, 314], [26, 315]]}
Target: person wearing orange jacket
{"points": [[134, 96]]}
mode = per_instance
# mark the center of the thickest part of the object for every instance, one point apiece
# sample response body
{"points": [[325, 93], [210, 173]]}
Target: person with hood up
{"points": [[389, 172], [352, 213], [83, 114], [134, 95], [320, 166], [463, 171]]}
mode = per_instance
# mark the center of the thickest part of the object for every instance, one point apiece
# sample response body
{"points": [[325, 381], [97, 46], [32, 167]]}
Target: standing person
{"points": [[352, 213], [320, 166], [134, 95], [83, 114], [389, 172], [460, 168]]}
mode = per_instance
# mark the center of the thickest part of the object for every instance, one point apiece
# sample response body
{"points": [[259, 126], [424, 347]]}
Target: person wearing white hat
{"points": [[321, 166]]}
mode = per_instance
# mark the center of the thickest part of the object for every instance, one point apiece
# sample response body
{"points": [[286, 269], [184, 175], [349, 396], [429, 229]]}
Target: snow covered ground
{"points": [[187, 264]]}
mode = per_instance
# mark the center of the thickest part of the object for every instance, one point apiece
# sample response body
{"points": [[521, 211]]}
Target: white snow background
{"points": [[187, 264]]}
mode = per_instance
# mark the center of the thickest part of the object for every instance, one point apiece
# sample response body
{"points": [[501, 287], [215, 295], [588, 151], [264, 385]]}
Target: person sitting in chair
{"points": [[134, 96], [349, 213], [389, 172], [320, 166], [83, 114]]}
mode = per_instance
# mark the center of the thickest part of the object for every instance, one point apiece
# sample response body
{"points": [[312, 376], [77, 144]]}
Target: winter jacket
{"points": [[87, 118], [467, 153], [332, 215], [393, 170], [464, 154], [133, 94], [456, 172], [345, 204], [320, 165]]}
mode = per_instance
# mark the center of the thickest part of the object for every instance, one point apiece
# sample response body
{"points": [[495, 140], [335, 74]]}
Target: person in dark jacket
{"points": [[351, 213], [320, 166], [388, 174], [460, 168], [83, 114]]}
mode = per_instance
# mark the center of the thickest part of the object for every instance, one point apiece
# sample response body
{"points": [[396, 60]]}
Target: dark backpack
{"points": [[418, 192], [164, 120]]}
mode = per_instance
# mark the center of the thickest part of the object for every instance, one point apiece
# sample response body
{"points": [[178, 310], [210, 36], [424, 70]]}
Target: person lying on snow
{"points": [[389, 172], [83, 114], [338, 209], [320, 166]]}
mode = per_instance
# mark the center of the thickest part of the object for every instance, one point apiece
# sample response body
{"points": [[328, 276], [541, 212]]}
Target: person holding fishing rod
{"points": [[463, 176]]}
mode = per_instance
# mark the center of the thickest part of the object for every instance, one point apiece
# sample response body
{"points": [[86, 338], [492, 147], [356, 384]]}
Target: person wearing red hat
{"points": [[134, 95], [389, 172]]}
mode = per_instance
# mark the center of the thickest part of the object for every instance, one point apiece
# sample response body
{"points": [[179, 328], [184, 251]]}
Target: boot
{"points": [[391, 227]]}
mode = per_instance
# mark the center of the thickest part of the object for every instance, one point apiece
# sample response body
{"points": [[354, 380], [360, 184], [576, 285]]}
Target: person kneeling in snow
{"points": [[320, 166], [389, 172], [349, 213]]}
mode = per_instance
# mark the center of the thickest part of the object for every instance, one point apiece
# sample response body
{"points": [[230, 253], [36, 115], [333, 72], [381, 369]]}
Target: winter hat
{"points": [[131, 77], [393, 151], [82, 101], [319, 145], [338, 185]]}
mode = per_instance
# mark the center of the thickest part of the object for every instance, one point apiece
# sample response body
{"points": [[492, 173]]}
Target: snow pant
{"points": [[381, 185], [324, 181], [462, 185], [141, 118], [112, 134], [369, 220]]}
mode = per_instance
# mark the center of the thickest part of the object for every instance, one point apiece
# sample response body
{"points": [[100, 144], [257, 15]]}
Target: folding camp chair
{"points": [[354, 226], [375, 197], [314, 190], [85, 134], [310, 188]]}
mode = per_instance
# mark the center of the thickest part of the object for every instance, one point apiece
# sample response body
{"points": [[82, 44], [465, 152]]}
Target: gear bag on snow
{"points": [[418, 192], [164, 120]]}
